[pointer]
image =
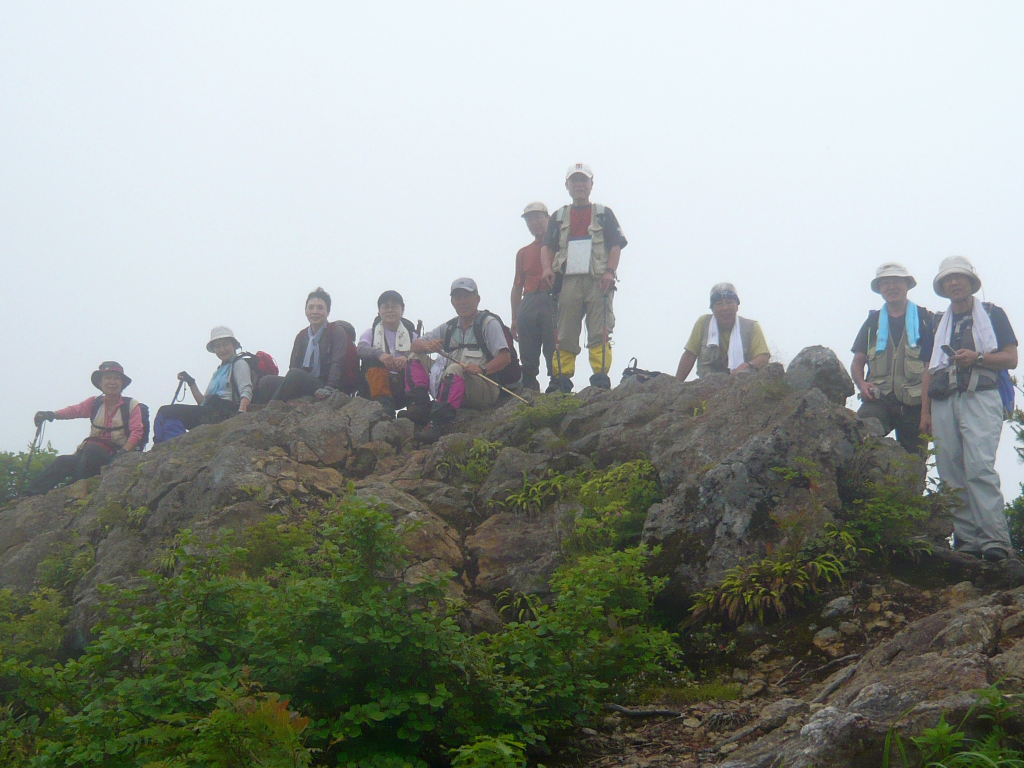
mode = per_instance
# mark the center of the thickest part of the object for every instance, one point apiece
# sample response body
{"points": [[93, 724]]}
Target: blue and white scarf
{"points": [[219, 382], [913, 327], [312, 359]]}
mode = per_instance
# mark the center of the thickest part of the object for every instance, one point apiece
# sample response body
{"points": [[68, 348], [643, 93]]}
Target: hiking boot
{"points": [[996, 555], [429, 434], [530, 382], [601, 380], [559, 384], [442, 415], [417, 413], [387, 403]]}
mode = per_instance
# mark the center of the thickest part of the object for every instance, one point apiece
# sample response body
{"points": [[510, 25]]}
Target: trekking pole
{"points": [[36, 442], [604, 334], [489, 381], [178, 392]]}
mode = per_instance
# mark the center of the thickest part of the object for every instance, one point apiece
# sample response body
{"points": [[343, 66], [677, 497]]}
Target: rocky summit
{"points": [[740, 462]]}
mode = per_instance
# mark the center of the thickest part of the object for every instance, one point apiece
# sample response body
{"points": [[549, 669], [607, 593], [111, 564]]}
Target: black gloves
{"points": [[42, 416], [184, 376]]}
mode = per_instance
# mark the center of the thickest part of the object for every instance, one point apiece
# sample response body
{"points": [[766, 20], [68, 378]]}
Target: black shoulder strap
{"points": [[478, 331], [231, 376], [408, 325], [448, 332], [376, 322]]}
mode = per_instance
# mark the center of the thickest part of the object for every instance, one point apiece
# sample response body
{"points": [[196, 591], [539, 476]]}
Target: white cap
{"points": [[579, 168], [538, 206], [464, 284]]}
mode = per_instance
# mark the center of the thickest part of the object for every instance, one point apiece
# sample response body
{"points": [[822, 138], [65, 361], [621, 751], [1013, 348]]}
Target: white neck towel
{"points": [[735, 342], [984, 335]]}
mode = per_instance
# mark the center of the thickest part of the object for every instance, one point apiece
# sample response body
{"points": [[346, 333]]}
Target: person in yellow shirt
{"points": [[715, 348]]}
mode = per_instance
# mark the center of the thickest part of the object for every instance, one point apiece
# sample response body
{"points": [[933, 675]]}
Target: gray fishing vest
{"points": [[716, 359]]}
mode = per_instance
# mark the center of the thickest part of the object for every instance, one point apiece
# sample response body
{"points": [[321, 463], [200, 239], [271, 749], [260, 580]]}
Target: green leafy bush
{"points": [[544, 411], [13, 465], [469, 462], [769, 587], [615, 504], [889, 520], [588, 643], [487, 752], [316, 652]]}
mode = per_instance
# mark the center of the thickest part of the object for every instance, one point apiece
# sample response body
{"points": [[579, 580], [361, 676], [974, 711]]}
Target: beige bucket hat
{"points": [[892, 269], [221, 332], [539, 207], [956, 265]]}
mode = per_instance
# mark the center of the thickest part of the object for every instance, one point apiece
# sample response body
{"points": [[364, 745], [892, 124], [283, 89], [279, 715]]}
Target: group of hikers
{"points": [[918, 373]]}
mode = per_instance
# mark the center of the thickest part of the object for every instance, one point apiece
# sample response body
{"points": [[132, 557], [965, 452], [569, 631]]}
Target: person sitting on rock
{"points": [[116, 425], [396, 377], [229, 391], [471, 343], [895, 343], [714, 346], [320, 364]]}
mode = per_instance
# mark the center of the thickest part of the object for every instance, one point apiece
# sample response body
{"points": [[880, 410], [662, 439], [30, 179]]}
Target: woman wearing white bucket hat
{"points": [[974, 342], [229, 391]]}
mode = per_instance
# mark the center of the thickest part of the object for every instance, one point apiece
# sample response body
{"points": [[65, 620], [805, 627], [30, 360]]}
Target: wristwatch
{"points": [[979, 360]]}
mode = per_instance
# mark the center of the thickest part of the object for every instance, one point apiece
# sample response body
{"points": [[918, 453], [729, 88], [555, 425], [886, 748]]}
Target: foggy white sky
{"points": [[169, 167]]}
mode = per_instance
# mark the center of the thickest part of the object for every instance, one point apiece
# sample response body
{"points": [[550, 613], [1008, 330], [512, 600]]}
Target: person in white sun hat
{"points": [[974, 345], [229, 391], [895, 343]]}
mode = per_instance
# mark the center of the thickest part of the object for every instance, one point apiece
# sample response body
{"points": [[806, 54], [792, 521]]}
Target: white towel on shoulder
{"points": [[982, 330], [735, 342]]}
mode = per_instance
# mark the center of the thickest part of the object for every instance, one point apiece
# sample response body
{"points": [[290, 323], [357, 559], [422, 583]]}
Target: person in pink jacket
{"points": [[110, 431]]}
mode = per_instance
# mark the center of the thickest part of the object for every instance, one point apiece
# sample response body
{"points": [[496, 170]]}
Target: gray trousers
{"points": [[535, 320], [966, 427]]}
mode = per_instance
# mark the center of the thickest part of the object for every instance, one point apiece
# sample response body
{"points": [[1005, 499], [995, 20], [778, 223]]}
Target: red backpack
{"points": [[351, 378], [260, 364]]}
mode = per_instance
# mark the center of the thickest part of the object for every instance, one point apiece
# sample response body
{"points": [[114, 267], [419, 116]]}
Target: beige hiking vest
{"points": [[598, 251], [897, 370], [118, 432], [710, 359]]}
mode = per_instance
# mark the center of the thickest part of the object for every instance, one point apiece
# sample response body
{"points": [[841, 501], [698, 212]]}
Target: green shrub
{"points": [[318, 652], [13, 466], [615, 504], [1015, 521], [32, 628], [544, 411], [66, 564], [469, 462], [488, 752], [589, 643], [769, 587], [889, 520]]}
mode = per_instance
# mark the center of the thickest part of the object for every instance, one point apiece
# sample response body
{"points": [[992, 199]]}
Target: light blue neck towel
{"points": [[219, 382], [312, 358], [913, 327]]}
